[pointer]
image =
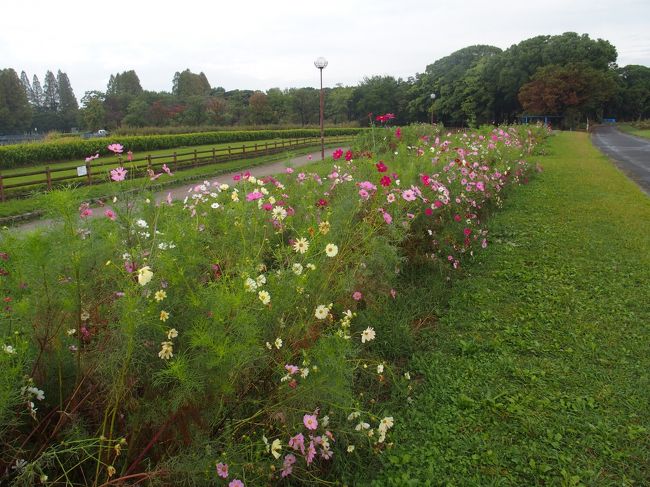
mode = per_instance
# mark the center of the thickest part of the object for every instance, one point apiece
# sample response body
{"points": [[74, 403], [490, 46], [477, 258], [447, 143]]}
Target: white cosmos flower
{"points": [[331, 250], [144, 275], [321, 311], [368, 335], [264, 296]]}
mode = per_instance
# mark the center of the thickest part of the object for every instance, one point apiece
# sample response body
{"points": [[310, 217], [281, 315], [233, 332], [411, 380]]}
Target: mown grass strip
{"points": [[634, 131], [538, 372]]}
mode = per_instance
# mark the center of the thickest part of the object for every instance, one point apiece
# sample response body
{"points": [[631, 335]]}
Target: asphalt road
{"points": [[630, 153]]}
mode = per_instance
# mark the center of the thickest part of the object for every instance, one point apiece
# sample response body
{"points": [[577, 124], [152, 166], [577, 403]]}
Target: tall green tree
{"points": [[338, 104], [378, 95], [15, 111], [126, 83], [187, 84], [446, 78], [633, 97], [93, 113], [50, 92], [37, 101], [27, 86], [305, 104], [68, 106]]}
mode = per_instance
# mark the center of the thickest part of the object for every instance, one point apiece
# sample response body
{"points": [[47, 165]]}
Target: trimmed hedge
{"points": [[21, 155]]}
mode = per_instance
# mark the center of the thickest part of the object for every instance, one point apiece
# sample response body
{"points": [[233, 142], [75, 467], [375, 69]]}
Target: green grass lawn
{"points": [[533, 368], [634, 131]]}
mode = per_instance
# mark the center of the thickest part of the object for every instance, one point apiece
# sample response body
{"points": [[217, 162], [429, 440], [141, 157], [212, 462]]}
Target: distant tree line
{"points": [[569, 76]]}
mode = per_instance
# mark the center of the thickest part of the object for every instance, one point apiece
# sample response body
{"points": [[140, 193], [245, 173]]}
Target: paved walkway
{"points": [[179, 192], [630, 153]]}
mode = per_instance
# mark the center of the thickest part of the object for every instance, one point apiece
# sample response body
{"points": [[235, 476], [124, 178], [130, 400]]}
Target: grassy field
{"points": [[533, 368], [634, 131]]}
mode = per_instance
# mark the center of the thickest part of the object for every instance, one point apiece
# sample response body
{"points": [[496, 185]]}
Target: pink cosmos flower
{"points": [[364, 194], [116, 148], [438, 204], [289, 460], [169, 198], [167, 170], [110, 214], [409, 195], [357, 296], [484, 243], [398, 133], [385, 181], [310, 421], [222, 470], [267, 206], [255, 195], [309, 157], [129, 156], [289, 170], [393, 293], [467, 231], [118, 174], [236, 483], [348, 155], [297, 443], [368, 186], [387, 218], [311, 453], [292, 369], [236, 177], [337, 154], [86, 212], [428, 212], [381, 167]]}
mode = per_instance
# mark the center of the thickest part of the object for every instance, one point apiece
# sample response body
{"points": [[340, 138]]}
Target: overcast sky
{"points": [[254, 44]]}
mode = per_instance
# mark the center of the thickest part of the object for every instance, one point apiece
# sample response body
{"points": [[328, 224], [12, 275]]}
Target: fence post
{"points": [[175, 163], [255, 149], [2, 189], [229, 152], [196, 160], [89, 174], [48, 176], [214, 155]]}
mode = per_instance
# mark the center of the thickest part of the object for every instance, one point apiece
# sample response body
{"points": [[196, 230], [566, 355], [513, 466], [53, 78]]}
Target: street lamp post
{"points": [[321, 63], [433, 99]]}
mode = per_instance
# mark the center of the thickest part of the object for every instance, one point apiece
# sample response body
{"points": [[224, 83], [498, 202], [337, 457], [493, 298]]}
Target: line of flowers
{"points": [[254, 290]]}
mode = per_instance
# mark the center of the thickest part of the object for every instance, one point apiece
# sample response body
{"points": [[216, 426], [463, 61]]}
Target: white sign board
{"points": [[82, 170]]}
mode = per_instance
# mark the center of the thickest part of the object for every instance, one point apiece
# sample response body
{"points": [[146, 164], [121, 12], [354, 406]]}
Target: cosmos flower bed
{"points": [[221, 340]]}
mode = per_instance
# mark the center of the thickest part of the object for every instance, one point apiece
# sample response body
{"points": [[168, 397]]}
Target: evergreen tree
{"points": [[24, 80], [68, 106], [38, 93], [15, 112], [50, 92]]}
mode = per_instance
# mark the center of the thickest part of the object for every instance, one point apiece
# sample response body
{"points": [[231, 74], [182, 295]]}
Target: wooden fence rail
{"points": [[98, 172]]}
